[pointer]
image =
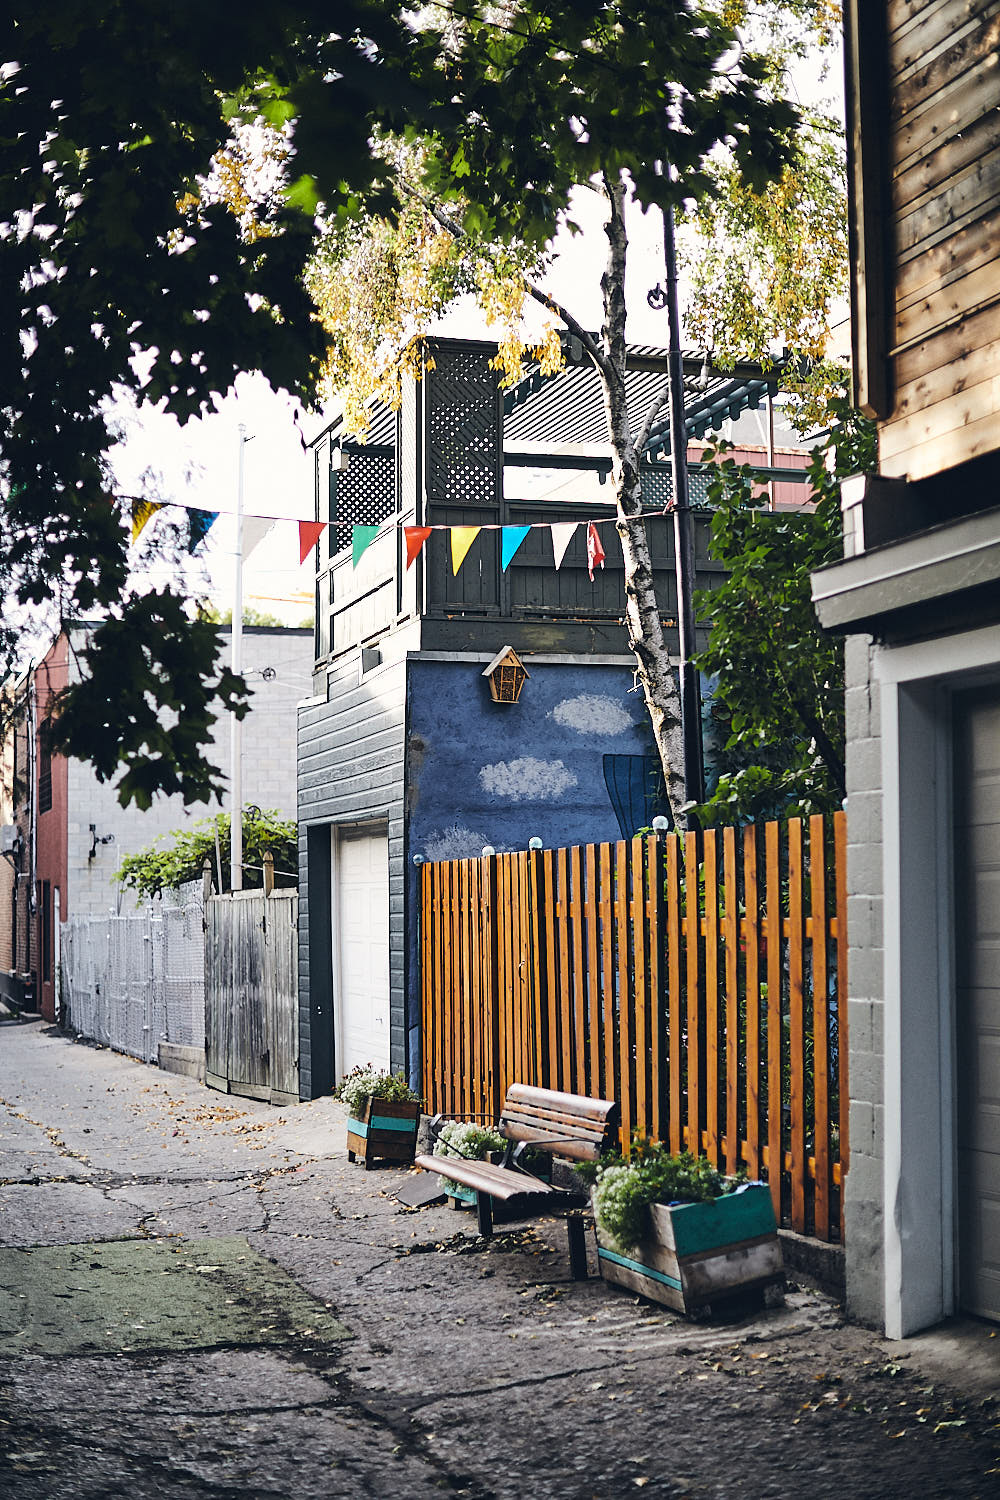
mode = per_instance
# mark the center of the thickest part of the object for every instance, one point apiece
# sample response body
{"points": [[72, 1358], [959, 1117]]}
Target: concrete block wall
{"points": [[864, 1192]]}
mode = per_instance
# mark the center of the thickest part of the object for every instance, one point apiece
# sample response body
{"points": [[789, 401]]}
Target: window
{"points": [[44, 767]]}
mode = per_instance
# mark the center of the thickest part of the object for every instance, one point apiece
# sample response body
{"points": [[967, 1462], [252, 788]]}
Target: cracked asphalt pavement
{"points": [[200, 1297]]}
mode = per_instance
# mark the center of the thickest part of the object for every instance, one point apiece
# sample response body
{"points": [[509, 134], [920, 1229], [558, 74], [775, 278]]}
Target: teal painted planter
{"points": [[384, 1130], [699, 1253]]}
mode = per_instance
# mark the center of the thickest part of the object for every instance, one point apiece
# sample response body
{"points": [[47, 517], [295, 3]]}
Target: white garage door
{"points": [[361, 882], [977, 841]]}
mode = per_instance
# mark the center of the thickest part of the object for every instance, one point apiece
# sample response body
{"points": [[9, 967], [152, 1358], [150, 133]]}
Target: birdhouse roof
{"points": [[506, 657]]}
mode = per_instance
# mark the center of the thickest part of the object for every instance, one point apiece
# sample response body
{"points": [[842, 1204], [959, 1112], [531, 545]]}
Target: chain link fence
{"points": [[134, 981]]}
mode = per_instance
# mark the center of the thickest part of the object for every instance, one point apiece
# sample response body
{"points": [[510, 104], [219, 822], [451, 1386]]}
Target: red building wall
{"points": [[51, 676]]}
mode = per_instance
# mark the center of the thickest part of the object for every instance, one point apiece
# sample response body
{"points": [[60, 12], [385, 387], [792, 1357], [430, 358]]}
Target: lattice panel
{"points": [[365, 495], [463, 428], [658, 487]]}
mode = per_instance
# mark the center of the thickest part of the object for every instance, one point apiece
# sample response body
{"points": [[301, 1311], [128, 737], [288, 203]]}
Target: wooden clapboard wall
{"points": [[924, 130]]}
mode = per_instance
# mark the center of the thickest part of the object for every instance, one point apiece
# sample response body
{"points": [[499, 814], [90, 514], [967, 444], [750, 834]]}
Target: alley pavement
{"points": [[201, 1298]]}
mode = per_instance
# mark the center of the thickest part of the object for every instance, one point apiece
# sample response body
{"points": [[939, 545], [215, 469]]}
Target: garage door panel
{"points": [[979, 1250], [977, 1009], [362, 882]]}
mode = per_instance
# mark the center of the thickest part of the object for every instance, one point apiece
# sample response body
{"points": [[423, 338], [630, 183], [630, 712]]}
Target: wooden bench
{"points": [[564, 1125]]}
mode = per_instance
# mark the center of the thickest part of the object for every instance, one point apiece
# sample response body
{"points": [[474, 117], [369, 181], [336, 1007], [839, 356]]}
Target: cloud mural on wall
{"points": [[527, 779], [592, 713], [455, 842]]}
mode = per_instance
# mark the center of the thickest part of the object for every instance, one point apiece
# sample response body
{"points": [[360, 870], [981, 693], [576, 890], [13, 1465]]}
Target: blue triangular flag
{"points": [[511, 538], [200, 523]]}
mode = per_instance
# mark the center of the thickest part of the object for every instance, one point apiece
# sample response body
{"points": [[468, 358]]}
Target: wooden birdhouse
{"points": [[505, 675]]}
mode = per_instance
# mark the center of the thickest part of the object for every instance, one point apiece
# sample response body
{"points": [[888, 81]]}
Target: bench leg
{"points": [[484, 1214], [577, 1247]]}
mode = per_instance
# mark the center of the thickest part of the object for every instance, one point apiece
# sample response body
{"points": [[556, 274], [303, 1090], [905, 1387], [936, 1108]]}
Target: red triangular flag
{"points": [[416, 536], [309, 534], [595, 552]]}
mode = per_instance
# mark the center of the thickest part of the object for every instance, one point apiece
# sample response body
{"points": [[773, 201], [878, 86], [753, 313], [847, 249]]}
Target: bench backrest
{"points": [[565, 1124]]}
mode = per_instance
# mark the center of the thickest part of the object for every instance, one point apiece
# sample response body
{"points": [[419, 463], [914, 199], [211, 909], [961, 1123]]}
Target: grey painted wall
{"points": [[864, 1192], [350, 760]]}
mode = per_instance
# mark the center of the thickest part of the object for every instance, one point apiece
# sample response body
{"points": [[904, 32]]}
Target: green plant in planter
{"points": [[623, 1190], [473, 1142], [364, 1082]]}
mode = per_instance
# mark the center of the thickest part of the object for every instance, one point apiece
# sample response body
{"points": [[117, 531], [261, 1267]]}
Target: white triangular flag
{"points": [[562, 535], [255, 529]]}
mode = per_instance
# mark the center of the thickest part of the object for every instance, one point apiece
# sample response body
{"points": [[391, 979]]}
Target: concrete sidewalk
{"points": [[200, 1296]]}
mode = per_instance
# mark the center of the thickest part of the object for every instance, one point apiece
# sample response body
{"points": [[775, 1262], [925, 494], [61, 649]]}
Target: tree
{"points": [[779, 692], [556, 97], [118, 272], [165, 866]]}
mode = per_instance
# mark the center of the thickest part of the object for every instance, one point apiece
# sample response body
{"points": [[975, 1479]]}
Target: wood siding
{"points": [[926, 142], [351, 751]]}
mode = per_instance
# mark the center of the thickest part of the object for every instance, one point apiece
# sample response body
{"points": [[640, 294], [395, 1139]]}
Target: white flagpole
{"points": [[236, 727]]}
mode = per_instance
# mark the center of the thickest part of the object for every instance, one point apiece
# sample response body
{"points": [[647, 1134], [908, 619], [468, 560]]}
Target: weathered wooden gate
{"points": [[251, 995]]}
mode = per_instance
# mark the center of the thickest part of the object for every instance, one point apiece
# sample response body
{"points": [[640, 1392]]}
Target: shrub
{"points": [[362, 1082], [460, 1138], [623, 1190]]}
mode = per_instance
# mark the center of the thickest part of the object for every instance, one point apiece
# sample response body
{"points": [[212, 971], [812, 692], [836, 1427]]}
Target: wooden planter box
{"points": [[700, 1253], [384, 1130]]}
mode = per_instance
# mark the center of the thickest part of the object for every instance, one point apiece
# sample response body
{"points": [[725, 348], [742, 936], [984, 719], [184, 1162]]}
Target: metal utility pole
{"points": [[235, 725], [694, 769]]}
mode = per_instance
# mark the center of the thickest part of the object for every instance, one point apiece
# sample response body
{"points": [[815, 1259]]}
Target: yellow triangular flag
{"points": [[142, 511], [462, 538]]}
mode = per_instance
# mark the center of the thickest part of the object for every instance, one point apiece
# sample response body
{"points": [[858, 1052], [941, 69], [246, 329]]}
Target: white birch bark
{"points": [[655, 671]]}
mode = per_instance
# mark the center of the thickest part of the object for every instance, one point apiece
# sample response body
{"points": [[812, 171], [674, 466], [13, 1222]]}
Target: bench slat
{"points": [[576, 1105], [499, 1182]]}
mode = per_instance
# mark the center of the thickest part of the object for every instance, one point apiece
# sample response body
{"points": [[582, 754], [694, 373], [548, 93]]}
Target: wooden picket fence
{"points": [[700, 980]]}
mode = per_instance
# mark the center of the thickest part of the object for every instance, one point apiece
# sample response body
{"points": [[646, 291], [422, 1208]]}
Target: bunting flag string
{"points": [[461, 538]]}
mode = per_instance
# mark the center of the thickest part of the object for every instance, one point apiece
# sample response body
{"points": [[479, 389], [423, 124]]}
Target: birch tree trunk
{"points": [[656, 673]]}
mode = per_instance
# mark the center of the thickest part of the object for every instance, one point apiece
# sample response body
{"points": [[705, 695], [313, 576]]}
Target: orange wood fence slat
{"points": [[711, 899], [751, 935], [693, 986], [796, 1029], [772, 934], [700, 981], [731, 925], [820, 1025], [674, 1060], [640, 936], [624, 1010]]}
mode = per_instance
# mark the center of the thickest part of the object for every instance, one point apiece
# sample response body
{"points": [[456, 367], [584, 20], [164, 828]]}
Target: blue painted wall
{"points": [[479, 772]]}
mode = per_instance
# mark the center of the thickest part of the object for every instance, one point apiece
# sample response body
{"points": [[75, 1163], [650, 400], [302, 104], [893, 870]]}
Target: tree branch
{"points": [[652, 412], [593, 349]]}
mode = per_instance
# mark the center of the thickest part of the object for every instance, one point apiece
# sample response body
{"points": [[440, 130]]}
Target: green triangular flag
{"points": [[361, 539]]}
